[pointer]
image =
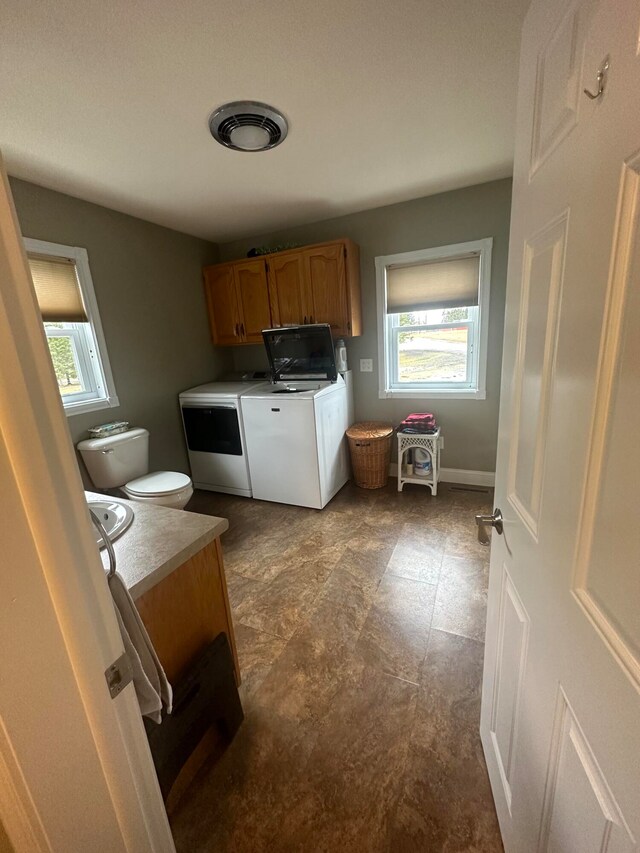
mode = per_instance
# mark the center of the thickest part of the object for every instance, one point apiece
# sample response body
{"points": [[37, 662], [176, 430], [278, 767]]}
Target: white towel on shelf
{"points": [[152, 688]]}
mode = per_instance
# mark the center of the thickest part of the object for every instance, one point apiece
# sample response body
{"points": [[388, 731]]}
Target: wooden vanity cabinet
{"points": [[186, 610], [238, 301], [312, 284], [183, 614]]}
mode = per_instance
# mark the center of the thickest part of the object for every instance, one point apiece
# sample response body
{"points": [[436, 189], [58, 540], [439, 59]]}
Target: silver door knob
{"points": [[484, 521]]}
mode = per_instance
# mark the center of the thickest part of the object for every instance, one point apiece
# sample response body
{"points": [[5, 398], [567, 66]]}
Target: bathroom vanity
{"points": [[171, 561]]}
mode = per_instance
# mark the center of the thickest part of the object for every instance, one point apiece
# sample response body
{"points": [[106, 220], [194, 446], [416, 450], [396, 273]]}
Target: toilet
{"points": [[122, 461]]}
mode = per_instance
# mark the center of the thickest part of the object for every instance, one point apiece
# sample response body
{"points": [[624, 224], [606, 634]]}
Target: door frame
{"points": [[75, 766]]}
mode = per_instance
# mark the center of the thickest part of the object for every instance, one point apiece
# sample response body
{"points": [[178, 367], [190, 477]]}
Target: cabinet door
{"points": [[253, 300], [222, 304], [325, 271], [290, 300]]}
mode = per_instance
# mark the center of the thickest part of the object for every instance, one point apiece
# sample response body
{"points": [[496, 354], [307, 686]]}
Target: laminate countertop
{"points": [[158, 541]]}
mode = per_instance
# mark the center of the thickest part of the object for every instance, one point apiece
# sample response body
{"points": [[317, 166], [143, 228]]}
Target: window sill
{"points": [[87, 406], [439, 394]]}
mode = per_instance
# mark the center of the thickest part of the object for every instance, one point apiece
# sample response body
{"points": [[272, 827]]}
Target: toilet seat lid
{"points": [[158, 483]]}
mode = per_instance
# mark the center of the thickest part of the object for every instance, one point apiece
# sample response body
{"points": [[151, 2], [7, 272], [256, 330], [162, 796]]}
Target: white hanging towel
{"points": [[152, 688]]}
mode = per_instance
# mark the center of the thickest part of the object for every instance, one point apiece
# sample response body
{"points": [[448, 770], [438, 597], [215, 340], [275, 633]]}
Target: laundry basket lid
{"points": [[369, 430]]}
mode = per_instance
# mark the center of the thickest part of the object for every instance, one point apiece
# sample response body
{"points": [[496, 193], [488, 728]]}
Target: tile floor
{"points": [[360, 636]]}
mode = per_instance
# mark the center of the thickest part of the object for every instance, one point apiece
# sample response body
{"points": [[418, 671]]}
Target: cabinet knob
{"points": [[237, 332], [304, 322], [242, 329], [311, 319]]}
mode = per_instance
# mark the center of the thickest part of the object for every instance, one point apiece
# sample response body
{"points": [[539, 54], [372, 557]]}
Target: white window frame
{"points": [[476, 387], [89, 343]]}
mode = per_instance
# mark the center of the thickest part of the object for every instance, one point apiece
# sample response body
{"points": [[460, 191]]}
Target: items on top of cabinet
{"points": [[296, 287], [269, 250]]}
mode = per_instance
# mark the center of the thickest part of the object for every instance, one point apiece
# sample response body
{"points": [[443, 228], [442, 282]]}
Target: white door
{"points": [[75, 768], [561, 695]]}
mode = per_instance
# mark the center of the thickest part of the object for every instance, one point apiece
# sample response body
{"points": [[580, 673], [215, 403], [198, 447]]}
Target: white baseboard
{"points": [[458, 475], [469, 478]]}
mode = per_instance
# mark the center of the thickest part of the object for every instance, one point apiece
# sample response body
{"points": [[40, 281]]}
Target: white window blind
{"points": [[57, 289], [448, 283]]}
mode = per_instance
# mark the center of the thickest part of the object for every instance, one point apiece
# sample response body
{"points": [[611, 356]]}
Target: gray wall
{"points": [[148, 285], [470, 427]]}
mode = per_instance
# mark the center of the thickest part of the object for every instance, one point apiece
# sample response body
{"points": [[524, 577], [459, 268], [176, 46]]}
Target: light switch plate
{"points": [[366, 365]]}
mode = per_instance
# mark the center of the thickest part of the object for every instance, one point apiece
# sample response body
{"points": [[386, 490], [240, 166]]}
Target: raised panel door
{"points": [[290, 301], [253, 300], [222, 304], [561, 692], [325, 271]]}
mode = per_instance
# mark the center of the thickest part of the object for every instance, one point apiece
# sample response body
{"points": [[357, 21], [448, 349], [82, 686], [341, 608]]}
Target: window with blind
{"points": [[433, 309], [64, 291]]}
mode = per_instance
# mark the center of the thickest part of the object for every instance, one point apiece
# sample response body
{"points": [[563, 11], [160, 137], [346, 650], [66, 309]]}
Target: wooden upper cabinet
{"points": [[312, 284], [222, 304], [325, 273], [291, 304], [238, 301], [253, 299]]}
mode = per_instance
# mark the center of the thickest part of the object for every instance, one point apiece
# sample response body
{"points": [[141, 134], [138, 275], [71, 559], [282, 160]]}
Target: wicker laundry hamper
{"points": [[370, 447]]}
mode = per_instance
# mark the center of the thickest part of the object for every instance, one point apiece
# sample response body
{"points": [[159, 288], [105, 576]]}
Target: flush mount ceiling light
{"points": [[248, 126]]}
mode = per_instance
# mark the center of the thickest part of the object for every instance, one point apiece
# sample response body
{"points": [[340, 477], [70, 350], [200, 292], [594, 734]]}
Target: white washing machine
{"points": [[295, 428], [214, 432]]}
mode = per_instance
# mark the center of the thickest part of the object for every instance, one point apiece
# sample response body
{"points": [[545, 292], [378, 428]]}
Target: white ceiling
{"points": [[387, 100]]}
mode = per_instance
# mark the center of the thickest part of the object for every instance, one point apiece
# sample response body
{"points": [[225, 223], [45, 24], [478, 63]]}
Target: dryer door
{"points": [[213, 429], [214, 441]]}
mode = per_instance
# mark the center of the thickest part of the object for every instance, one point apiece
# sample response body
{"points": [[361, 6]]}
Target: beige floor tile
{"points": [[238, 805], [446, 801], [461, 600], [462, 538], [420, 562], [395, 635], [354, 775], [278, 606], [240, 588], [340, 611], [337, 614], [257, 652], [301, 688]]}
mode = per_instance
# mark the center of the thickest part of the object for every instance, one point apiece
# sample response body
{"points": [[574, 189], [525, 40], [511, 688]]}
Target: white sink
{"points": [[115, 518]]}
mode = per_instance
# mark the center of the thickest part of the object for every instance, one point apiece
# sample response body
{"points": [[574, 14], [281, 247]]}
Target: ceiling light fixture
{"points": [[248, 126]]}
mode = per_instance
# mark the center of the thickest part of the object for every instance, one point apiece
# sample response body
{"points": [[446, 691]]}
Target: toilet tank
{"points": [[113, 461]]}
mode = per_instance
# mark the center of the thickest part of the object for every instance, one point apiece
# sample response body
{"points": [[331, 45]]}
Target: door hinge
{"points": [[118, 675]]}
